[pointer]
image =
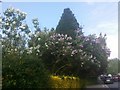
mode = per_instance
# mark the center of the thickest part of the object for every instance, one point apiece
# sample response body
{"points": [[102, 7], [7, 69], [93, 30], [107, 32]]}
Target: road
{"points": [[114, 86]]}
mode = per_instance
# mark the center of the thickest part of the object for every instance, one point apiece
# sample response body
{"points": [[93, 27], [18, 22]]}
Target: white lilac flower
{"points": [[68, 47], [46, 45], [14, 22], [21, 27], [97, 41], [37, 33], [82, 63], [74, 52], [69, 38], [80, 50], [52, 53], [59, 35], [29, 51], [51, 36], [31, 48], [15, 49], [90, 43], [91, 56], [39, 39], [81, 46], [11, 49], [7, 23], [62, 35], [30, 34], [34, 48], [24, 14], [21, 52], [17, 36], [65, 36], [17, 10], [103, 47], [35, 21], [11, 9], [24, 27], [3, 45], [61, 39], [99, 65], [92, 60], [36, 53], [56, 42], [38, 46], [87, 39], [38, 50], [8, 51], [15, 28], [69, 43]]}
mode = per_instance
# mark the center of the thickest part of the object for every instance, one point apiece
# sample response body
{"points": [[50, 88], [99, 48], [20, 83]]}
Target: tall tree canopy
{"points": [[20, 68], [68, 24], [113, 66]]}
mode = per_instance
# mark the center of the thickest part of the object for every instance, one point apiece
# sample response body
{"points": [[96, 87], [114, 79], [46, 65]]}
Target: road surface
{"points": [[114, 86]]}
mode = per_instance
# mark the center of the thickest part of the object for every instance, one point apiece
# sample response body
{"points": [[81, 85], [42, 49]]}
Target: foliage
{"points": [[65, 82], [66, 56], [68, 24], [14, 28], [94, 52], [28, 56], [113, 66], [27, 72], [20, 68], [98, 51]]}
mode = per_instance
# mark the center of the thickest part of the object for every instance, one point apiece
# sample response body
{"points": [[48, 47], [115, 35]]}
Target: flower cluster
{"points": [[63, 45], [30, 50]]}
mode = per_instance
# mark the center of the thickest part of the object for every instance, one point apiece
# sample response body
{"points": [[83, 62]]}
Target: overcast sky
{"points": [[97, 17]]}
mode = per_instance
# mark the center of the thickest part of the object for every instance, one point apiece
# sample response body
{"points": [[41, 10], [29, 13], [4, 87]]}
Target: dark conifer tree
{"points": [[68, 24]]}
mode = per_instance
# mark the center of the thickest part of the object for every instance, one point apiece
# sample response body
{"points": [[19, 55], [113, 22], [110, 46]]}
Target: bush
{"points": [[24, 73], [65, 82]]}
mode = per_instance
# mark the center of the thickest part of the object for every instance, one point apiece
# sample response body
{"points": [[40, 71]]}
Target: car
{"points": [[108, 80], [115, 78], [102, 77]]}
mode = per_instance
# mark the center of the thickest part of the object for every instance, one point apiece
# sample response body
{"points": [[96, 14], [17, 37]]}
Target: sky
{"points": [[95, 17]]}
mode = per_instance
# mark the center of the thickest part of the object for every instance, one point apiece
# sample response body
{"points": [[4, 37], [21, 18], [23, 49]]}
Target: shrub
{"points": [[65, 82], [24, 73]]}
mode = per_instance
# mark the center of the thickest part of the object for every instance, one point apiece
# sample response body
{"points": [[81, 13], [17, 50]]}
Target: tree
{"points": [[96, 47], [21, 69], [14, 29], [113, 66], [68, 24]]}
